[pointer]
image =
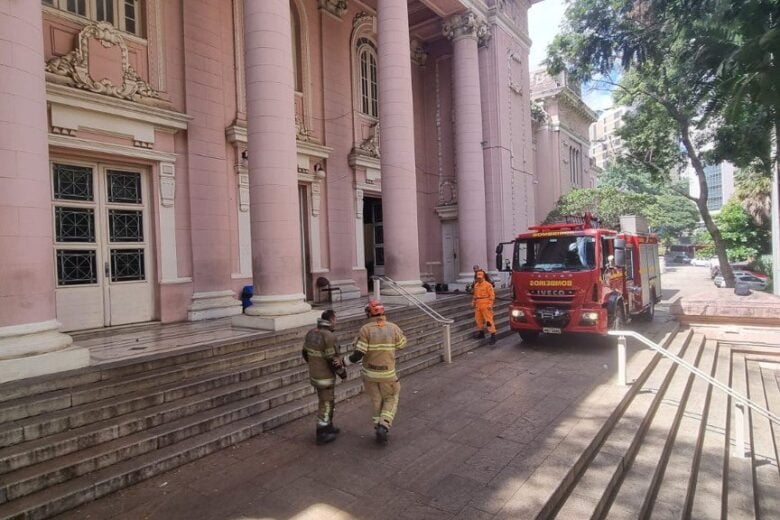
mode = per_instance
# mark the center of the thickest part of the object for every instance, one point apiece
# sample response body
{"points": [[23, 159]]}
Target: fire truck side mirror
{"points": [[620, 252], [499, 257]]}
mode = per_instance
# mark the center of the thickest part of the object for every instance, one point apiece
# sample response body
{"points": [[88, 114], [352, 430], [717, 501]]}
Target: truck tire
{"points": [[528, 336]]}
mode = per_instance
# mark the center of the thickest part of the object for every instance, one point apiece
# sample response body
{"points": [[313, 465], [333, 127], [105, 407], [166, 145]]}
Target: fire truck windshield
{"points": [[557, 253]]}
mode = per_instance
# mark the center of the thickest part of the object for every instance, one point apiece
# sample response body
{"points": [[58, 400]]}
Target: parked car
{"points": [[681, 258], [701, 262], [752, 281]]}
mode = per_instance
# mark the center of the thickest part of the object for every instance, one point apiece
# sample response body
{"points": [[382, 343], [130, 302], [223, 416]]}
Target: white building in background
{"points": [[605, 144], [720, 184]]}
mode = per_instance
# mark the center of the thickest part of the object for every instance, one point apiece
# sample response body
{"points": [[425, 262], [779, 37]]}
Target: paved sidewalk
{"points": [[464, 435]]}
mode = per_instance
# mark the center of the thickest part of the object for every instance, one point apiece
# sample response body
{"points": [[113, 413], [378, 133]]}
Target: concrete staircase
{"points": [[71, 438], [668, 449]]}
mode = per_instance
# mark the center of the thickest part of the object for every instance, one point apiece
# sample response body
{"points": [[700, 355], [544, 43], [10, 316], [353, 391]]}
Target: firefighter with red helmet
{"points": [[321, 354], [375, 346], [482, 300]]}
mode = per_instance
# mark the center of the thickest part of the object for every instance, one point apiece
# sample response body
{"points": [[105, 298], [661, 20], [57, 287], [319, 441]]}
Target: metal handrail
{"points": [[712, 381], [427, 309], [446, 342]]}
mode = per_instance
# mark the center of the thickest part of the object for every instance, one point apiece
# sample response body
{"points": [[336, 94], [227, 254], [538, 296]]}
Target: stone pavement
{"points": [[464, 438]]}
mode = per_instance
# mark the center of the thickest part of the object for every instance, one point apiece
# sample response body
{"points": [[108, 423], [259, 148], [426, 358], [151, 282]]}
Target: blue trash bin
{"points": [[246, 296]]}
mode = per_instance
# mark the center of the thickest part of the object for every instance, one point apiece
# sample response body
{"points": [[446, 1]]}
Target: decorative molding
{"points": [[157, 44], [243, 190], [143, 144], [63, 131], [73, 68], [302, 133], [336, 8], [516, 87], [159, 117], [167, 184], [238, 51], [316, 192], [363, 18], [447, 212], [358, 203], [84, 145], [466, 25]]}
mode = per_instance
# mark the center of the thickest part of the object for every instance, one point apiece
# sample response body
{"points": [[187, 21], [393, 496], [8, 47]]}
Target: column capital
{"points": [[466, 25]]}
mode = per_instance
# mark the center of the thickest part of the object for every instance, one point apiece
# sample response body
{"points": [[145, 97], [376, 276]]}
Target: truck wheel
{"points": [[528, 336]]}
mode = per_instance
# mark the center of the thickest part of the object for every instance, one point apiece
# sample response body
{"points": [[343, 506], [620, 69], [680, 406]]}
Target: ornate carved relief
{"points": [[335, 7], [167, 184], [448, 192], [467, 25], [361, 18], [419, 53], [301, 132], [370, 145], [73, 68]]}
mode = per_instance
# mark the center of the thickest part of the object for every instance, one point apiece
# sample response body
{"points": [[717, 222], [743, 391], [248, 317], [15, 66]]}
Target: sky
{"points": [[544, 19]]}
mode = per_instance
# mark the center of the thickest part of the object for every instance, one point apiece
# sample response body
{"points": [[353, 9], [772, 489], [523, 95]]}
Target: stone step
{"points": [[675, 491], [591, 494], [157, 452], [740, 503], [708, 499], [766, 477], [198, 351], [94, 391], [555, 462], [640, 483], [91, 425]]}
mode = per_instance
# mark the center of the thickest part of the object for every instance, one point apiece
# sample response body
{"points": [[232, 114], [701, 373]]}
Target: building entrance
{"points": [[102, 245], [374, 237]]}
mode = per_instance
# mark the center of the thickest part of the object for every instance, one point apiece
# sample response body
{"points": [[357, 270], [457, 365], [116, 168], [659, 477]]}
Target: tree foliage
{"points": [[744, 240], [608, 204]]}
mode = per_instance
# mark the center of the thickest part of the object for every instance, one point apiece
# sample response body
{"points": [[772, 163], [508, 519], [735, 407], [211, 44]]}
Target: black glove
{"points": [[338, 368]]}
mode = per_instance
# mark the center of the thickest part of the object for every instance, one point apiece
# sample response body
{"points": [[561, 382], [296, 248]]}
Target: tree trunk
{"points": [[704, 211]]}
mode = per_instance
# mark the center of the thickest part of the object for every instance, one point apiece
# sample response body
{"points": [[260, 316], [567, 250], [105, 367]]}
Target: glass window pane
{"points": [[76, 267], [124, 187], [125, 226], [127, 265], [74, 224], [72, 182], [130, 16]]}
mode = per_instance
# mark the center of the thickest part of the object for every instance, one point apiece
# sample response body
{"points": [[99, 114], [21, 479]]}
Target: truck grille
{"points": [[553, 317]]}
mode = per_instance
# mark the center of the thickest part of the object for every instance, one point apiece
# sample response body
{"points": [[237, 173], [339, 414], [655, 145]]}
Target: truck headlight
{"points": [[589, 318], [518, 314]]}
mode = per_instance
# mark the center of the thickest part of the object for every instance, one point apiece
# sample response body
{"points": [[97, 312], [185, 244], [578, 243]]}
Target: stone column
{"points": [[396, 115], [279, 300], [207, 157], [464, 30], [30, 343]]}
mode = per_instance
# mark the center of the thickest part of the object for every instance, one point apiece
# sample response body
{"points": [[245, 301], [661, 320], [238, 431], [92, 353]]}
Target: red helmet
{"points": [[375, 308]]}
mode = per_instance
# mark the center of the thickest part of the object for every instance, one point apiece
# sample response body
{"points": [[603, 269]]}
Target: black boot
{"points": [[381, 433], [325, 436], [493, 339], [479, 334], [332, 429]]}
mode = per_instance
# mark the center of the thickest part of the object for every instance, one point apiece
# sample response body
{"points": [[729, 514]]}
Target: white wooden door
{"points": [[449, 240], [102, 245]]}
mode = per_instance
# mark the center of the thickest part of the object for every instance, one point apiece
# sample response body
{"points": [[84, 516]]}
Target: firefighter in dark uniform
{"points": [[375, 346], [320, 352]]}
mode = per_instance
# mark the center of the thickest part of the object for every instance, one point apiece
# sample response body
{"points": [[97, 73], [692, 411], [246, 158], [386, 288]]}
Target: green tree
{"points": [[744, 240], [654, 45], [608, 204]]}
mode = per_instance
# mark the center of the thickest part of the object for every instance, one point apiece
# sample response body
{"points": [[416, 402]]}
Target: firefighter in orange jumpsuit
{"points": [[375, 346], [482, 301]]}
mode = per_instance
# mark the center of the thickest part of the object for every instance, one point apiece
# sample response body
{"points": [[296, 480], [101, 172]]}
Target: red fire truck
{"points": [[575, 276]]}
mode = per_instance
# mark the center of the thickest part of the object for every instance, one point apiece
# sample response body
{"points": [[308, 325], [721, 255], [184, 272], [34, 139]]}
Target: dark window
{"points": [[104, 11], [131, 16], [124, 187], [76, 267], [74, 224], [72, 182], [127, 265], [125, 226]]}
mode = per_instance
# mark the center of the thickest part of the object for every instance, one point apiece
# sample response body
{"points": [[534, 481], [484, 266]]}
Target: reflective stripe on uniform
{"points": [[320, 354], [322, 383], [379, 374]]}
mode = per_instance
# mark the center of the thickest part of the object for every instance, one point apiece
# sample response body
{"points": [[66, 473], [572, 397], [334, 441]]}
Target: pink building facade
{"points": [[561, 126], [160, 155]]}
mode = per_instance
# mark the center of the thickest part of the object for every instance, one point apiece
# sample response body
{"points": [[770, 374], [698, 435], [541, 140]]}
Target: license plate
{"points": [[551, 330]]}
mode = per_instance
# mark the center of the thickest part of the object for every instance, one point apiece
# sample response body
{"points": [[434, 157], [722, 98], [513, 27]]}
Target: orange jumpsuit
{"points": [[483, 298]]}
